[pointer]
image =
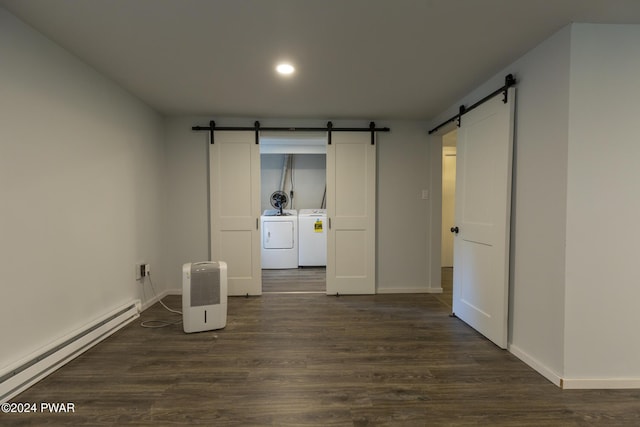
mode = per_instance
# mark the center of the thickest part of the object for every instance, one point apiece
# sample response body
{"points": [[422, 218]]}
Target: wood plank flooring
{"points": [[307, 279], [315, 360], [446, 281]]}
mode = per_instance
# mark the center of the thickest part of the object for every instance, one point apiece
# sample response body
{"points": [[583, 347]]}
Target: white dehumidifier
{"points": [[204, 296]]}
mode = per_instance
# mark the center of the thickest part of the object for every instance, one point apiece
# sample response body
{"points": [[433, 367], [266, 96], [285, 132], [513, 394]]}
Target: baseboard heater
{"points": [[28, 371]]}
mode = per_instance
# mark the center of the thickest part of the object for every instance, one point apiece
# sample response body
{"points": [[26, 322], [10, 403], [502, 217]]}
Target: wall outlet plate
{"points": [[141, 270]]}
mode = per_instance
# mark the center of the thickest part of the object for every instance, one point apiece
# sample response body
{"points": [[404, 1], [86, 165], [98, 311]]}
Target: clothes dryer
{"points": [[279, 239]]}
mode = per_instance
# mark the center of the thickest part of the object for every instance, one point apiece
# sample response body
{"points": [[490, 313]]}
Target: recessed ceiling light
{"points": [[285, 69]]}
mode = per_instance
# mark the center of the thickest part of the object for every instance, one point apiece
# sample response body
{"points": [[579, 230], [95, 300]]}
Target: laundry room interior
{"points": [[293, 206]]}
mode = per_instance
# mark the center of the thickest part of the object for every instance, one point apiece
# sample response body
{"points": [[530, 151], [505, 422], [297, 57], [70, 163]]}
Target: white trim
{"points": [[574, 383], [600, 383], [50, 358], [536, 365], [408, 290], [157, 298]]}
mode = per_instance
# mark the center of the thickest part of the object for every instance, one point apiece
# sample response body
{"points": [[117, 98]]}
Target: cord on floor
{"points": [[153, 324]]}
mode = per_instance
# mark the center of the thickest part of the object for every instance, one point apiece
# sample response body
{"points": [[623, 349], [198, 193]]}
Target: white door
{"points": [[234, 173], [351, 200], [482, 215]]}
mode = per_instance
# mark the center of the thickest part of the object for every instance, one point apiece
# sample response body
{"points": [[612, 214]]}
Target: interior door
{"points": [[351, 198], [234, 173], [482, 218]]}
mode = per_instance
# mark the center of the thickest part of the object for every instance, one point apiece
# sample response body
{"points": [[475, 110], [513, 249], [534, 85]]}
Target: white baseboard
{"points": [[574, 383], [404, 291], [600, 383], [31, 369], [157, 298], [535, 364]]}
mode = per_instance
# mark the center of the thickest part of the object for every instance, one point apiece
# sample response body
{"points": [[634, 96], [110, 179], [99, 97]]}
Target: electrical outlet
{"points": [[141, 270], [147, 270]]}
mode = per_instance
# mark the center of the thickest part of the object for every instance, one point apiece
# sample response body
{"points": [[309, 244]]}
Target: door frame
{"points": [[212, 128], [435, 243], [447, 151]]}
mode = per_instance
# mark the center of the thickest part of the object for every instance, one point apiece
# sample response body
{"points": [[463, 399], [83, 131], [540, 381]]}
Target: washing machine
{"points": [[279, 239], [312, 232]]}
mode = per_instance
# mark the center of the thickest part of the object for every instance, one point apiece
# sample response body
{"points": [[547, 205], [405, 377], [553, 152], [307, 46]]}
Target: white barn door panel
{"points": [[351, 199], [234, 173], [482, 218]]}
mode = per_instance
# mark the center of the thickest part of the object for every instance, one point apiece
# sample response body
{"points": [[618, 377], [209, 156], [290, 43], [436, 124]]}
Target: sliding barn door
{"points": [[234, 174], [351, 200], [482, 218]]}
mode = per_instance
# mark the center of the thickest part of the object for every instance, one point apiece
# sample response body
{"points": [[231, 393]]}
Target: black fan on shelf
{"points": [[279, 200]]}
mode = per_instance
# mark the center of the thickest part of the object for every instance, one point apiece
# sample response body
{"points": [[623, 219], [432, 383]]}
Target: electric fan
{"points": [[279, 200]]}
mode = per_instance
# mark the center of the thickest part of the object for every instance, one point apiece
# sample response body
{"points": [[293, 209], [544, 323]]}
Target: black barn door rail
{"points": [[257, 128], [509, 81]]}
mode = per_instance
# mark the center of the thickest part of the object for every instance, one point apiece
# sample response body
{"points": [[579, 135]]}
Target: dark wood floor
{"points": [[307, 279], [311, 359], [446, 297]]}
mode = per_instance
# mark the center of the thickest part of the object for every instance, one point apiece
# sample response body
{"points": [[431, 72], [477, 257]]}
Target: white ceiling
{"points": [[360, 59]]}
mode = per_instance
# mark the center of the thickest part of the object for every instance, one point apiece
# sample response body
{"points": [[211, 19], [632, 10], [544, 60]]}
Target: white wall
{"points": [[309, 176], [81, 166], [538, 202], [187, 193], [403, 217], [539, 205], [602, 275], [574, 287]]}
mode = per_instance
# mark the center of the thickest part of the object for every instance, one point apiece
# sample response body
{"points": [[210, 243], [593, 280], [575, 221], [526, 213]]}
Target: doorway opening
{"points": [[293, 206], [448, 213]]}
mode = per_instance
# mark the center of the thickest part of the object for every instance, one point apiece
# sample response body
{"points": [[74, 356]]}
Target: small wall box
{"points": [[204, 296]]}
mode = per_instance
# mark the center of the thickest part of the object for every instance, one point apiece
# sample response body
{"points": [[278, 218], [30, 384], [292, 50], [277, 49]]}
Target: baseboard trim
{"points": [[600, 383], [405, 291], [157, 298], [574, 383], [31, 369], [536, 365]]}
